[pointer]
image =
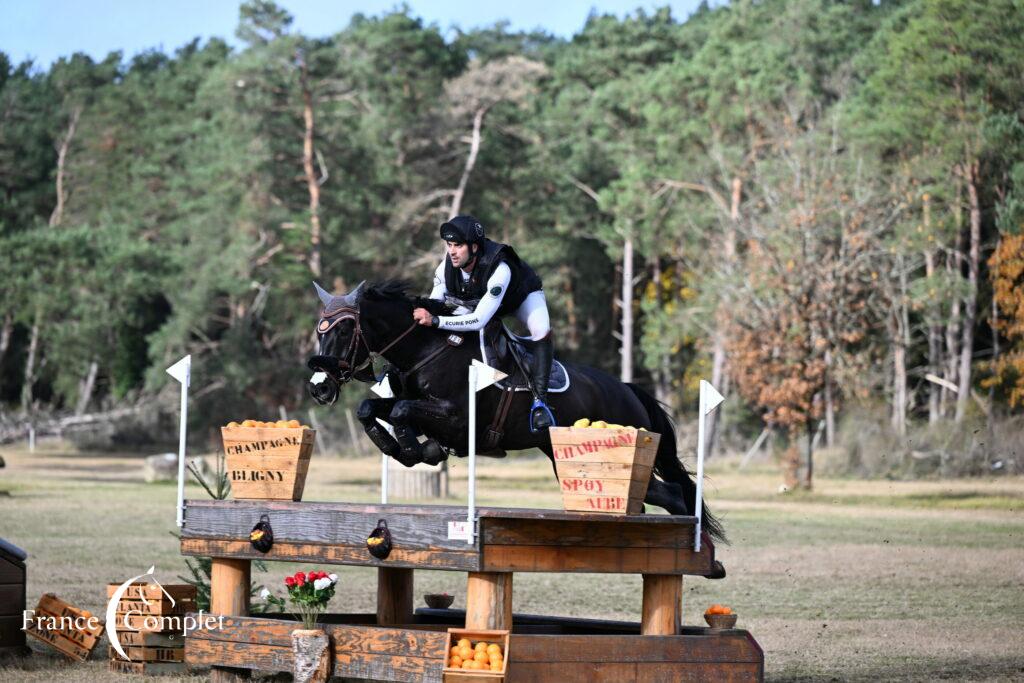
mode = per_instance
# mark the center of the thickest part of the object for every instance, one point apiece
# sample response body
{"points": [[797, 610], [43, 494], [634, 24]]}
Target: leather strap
{"points": [[496, 430]]}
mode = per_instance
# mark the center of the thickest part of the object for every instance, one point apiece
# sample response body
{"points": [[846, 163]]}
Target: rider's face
{"points": [[460, 253]]}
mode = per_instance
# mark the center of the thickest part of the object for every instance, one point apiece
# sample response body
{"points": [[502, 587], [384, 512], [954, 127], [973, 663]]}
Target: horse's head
{"points": [[343, 354]]}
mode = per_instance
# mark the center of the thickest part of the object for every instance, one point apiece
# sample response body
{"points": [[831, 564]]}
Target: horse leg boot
{"points": [[540, 376], [408, 440], [368, 412]]}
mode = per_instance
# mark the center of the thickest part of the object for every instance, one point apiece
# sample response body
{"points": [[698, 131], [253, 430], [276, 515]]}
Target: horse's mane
{"points": [[398, 290]]}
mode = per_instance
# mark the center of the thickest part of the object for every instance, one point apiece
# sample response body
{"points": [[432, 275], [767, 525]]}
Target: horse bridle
{"points": [[346, 364]]}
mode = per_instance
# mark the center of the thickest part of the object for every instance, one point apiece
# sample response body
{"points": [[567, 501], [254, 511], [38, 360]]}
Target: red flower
{"points": [[299, 581], [316, 575], [289, 581], [300, 576]]}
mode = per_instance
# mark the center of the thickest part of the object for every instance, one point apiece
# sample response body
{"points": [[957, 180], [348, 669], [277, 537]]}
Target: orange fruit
{"points": [[494, 647], [454, 650], [481, 646], [465, 652], [496, 666], [248, 423], [468, 664], [481, 657], [464, 642], [456, 662], [293, 424], [232, 424]]}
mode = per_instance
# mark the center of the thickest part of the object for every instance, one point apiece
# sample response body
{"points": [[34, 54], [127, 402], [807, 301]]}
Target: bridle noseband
{"points": [[346, 364]]}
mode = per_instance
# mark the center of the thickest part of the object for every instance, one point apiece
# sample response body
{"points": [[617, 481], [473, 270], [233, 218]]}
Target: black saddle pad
{"points": [[495, 349]]}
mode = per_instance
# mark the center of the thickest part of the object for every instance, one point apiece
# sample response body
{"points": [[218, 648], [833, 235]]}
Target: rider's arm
{"points": [[439, 289], [485, 310]]}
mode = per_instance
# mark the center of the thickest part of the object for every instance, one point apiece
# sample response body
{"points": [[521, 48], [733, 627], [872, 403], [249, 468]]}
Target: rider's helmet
{"points": [[463, 230]]}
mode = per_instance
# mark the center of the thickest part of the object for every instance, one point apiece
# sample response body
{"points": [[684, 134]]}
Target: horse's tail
{"points": [[667, 465]]}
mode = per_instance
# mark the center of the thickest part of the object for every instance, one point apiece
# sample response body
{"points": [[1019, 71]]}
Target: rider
{"points": [[475, 268]]}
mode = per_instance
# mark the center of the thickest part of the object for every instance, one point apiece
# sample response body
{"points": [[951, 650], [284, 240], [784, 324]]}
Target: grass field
{"points": [[857, 581]]}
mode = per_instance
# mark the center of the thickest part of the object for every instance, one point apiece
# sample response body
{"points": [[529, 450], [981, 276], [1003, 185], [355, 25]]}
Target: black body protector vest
{"points": [[523, 281]]}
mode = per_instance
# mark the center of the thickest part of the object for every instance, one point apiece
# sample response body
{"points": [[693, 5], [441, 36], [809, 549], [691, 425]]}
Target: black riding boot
{"points": [[540, 371]]}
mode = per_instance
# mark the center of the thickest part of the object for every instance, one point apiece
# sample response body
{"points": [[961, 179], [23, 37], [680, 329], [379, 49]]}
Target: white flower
{"points": [[320, 584], [333, 578], [264, 594]]}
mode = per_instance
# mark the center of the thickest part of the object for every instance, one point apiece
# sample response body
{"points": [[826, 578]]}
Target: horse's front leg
{"points": [[368, 412], [410, 417]]}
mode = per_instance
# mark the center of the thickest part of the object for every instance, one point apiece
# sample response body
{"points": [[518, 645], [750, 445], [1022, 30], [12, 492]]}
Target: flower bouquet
{"points": [[310, 594], [311, 646]]}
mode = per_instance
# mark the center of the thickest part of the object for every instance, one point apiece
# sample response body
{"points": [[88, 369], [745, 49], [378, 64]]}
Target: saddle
{"points": [[497, 343]]}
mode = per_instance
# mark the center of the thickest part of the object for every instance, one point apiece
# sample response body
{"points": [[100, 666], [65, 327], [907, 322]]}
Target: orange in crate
{"points": [[268, 463], [604, 470], [486, 659]]}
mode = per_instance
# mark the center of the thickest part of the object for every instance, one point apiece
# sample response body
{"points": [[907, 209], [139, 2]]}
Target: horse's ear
{"points": [[353, 297], [325, 296]]}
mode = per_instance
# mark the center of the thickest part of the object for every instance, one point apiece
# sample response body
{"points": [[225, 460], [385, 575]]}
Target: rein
{"points": [[335, 316]]}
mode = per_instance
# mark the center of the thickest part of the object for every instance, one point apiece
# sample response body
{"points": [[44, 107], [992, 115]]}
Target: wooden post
{"points": [[229, 594], [489, 600], [662, 605], [394, 596]]}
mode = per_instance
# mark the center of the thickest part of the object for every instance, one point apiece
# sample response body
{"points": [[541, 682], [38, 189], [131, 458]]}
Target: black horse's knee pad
{"points": [[402, 411], [365, 410]]}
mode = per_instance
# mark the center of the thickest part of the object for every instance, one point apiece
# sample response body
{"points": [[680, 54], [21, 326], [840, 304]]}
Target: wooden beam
{"points": [[662, 605], [230, 584], [489, 600], [394, 596]]}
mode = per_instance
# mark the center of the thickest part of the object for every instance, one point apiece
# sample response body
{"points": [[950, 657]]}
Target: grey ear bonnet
{"points": [[334, 304]]}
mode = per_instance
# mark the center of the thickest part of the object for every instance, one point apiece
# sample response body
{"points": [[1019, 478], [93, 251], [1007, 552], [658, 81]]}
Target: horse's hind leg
{"points": [[666, 495]]}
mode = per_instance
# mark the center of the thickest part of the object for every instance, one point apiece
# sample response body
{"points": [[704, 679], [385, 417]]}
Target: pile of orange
{"points": [[480, 656], [280, 424], [718, 609]]}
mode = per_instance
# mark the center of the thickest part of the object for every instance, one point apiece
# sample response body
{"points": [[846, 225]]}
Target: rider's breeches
{"points": [[533, 313]]}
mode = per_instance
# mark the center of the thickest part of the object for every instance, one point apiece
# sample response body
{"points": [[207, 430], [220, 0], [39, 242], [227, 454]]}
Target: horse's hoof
{"points": [[432, 453]]}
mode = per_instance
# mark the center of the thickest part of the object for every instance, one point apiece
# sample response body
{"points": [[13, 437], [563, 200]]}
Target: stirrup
{"points": [[539, 415]]}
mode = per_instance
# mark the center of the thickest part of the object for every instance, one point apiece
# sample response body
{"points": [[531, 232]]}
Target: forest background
{"points": [[818, 206]]}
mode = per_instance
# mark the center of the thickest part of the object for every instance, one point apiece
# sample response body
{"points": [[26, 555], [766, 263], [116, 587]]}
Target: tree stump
{"points": [[312, 652]]}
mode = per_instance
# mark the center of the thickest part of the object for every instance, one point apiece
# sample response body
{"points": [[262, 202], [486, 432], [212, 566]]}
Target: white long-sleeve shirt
{"points": [[476, 320]]}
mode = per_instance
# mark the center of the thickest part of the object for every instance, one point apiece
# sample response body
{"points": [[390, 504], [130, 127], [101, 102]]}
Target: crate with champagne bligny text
{"points": [[150, 627]]}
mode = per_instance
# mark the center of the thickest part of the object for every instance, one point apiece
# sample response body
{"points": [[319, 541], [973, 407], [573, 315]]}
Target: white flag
{"points": [[182, 370], [486, 375], [709, 397]]}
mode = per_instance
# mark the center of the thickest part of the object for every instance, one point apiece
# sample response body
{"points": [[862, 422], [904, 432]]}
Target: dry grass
{"points": [[858, 581]]}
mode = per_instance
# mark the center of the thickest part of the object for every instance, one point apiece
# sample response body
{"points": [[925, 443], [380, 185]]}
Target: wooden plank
{"points": [[318, 523], [266, 440], [610, 470], [346, 637], [151, 591], [562, 515], [708, 646], [149, 654], [334, 554], [388, 668], [143, 639], [238, 656], [347, 663], [394, 595], [608, 532], [591, 672], [539, 558], [662, 605], [602, 503], [147, 668], [58, 639], [489, 600]]}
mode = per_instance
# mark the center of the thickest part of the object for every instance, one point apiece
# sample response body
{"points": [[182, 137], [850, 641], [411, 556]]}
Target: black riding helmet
{"points": [[463, 230]]}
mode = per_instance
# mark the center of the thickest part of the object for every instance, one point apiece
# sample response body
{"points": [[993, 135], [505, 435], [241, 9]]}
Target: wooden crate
{"points": [[604, 470], [472, 676], [267, 463], [148, 668], [75, 632]]}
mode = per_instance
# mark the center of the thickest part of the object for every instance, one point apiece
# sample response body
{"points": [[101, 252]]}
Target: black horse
{"points": [[433, 401]]}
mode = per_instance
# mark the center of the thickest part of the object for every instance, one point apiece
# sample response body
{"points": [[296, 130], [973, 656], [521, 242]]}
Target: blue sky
{"points": [[47, 29]]}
